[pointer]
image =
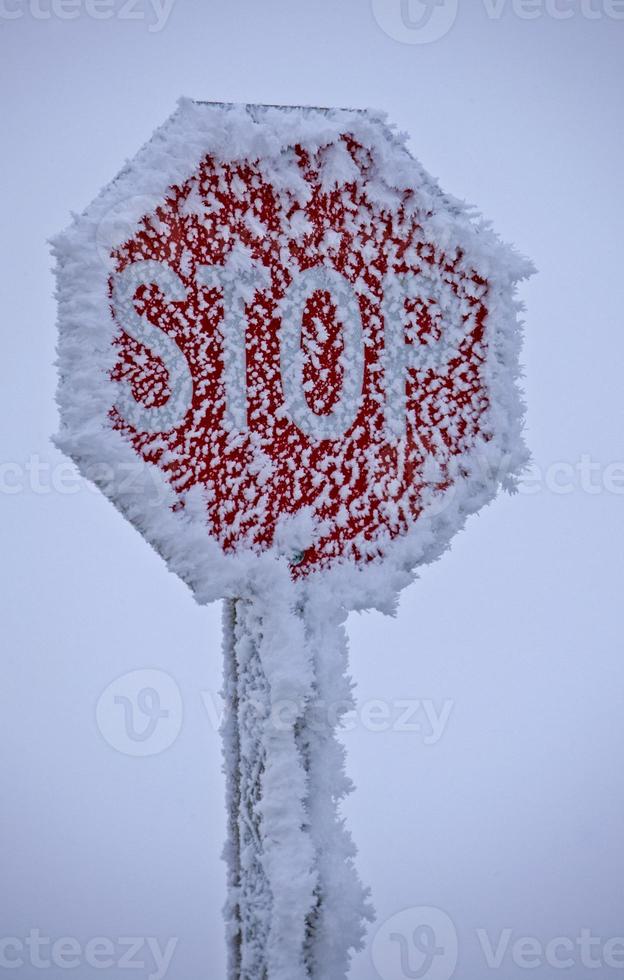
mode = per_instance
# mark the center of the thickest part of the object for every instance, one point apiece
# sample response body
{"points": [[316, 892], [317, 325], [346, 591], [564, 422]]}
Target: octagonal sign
{"points": [[280, 341]]}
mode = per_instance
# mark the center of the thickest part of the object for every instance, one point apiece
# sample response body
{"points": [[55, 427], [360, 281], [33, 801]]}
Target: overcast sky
{"points": [[499, 802]]}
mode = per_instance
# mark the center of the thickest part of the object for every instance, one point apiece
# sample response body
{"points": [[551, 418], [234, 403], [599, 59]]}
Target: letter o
{"points": [[335, 424]]}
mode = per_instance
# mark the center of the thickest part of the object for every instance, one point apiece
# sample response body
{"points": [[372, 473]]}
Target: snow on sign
{"points": [[290, 360]]}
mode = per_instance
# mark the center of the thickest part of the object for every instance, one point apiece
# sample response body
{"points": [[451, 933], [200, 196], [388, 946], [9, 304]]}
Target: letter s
{"points": [[165, 417]]}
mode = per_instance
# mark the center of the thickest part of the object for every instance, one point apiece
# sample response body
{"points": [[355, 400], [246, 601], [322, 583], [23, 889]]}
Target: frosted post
{"points": [[295, 906]]}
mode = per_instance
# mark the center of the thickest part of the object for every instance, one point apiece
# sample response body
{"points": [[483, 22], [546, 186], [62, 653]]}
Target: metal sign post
{"points": [[290, 360]]}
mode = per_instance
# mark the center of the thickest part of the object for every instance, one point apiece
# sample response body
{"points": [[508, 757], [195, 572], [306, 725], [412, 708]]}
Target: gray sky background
{"points": [[513, 817]]}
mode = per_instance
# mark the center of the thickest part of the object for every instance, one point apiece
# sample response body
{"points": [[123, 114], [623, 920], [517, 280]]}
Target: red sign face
{"points": [[284, 354]]}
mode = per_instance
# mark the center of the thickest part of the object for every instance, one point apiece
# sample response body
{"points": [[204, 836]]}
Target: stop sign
{"points": [[280, 340], [291, 361]]}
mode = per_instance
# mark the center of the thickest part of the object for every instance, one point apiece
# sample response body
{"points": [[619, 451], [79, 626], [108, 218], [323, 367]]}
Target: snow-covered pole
{"points": [[295, 906]]}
